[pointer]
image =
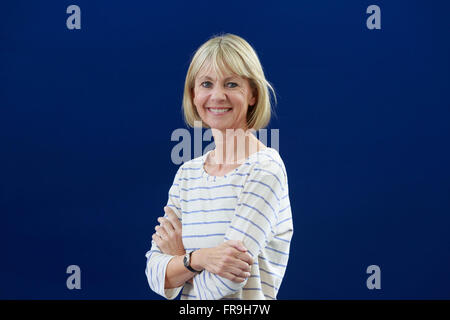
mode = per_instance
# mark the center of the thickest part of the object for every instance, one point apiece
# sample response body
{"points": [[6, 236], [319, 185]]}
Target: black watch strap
{"points": [[187, 262]]}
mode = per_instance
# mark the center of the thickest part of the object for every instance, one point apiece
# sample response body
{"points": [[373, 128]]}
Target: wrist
{"points": [[197, 260]]}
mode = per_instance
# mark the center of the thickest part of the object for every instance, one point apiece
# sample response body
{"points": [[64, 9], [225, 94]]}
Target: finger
{"points": [[159, 242], [157, 239], [245, 257], [240, 274], [168, 210], [161, 232], [237, 244], [239, 269], [232, 277], [168, 229], [239, 266], [173, 218], [166, 224]]}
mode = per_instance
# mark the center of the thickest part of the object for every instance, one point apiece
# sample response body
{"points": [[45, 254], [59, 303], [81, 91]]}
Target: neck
{"points": [[233, 146]]}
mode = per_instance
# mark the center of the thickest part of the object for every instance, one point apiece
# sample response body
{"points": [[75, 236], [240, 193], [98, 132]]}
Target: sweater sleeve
{"points": [[157, 261], [253, 223]]}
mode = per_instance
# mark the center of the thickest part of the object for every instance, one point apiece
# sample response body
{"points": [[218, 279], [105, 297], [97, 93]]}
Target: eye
{"points": [[206, 84], [232, 84]]}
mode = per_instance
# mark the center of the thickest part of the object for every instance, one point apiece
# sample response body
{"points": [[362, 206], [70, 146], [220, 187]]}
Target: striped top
{"points": [[251, 204]]}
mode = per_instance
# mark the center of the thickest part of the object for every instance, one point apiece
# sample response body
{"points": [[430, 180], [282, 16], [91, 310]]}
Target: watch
{"points": [[187, 262]]}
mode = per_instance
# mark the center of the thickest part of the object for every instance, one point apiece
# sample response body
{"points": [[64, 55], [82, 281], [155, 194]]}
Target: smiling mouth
{"points": [[218, 111]]}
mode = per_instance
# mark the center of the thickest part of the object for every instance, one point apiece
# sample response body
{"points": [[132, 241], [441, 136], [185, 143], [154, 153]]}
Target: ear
{"points": [[254, 93], [252, 100]]}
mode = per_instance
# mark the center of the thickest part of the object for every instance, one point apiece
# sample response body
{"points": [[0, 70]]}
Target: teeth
{"points": [[218, 110]]}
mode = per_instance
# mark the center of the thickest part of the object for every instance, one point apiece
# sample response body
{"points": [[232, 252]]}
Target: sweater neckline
{"points": [[210, 177]]}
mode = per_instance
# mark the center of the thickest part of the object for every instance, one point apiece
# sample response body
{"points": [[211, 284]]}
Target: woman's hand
{"points": [[168, 234], [229, 260]]}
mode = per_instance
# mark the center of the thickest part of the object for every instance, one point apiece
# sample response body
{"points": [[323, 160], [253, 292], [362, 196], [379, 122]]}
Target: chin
{"points": [[218, 126]]}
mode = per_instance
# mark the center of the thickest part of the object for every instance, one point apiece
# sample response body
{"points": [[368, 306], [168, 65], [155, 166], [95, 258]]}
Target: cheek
{"points": [[240, 98], [248, 96], [199, 99]]}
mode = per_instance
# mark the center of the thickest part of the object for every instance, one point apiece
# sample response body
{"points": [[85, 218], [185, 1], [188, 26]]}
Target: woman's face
{"points": [[222, 100]]}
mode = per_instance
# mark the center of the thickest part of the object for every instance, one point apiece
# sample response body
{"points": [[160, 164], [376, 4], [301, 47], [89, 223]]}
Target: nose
{"points": [[218, 94]]}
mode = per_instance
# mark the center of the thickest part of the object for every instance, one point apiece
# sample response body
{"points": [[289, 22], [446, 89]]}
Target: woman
{"points": [[228, 225]]}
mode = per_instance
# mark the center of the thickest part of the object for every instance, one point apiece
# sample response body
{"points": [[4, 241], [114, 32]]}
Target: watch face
{"points": [[185, 261]]}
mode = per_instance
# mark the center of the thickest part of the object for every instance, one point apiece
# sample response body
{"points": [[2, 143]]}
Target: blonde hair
{"points": [[229, 52]]}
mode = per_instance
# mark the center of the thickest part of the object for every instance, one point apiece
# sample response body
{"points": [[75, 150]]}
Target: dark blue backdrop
{"points": [[86, 117]]}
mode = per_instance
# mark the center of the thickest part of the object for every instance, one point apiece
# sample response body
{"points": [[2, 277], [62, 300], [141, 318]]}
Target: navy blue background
{"points": [[86, 117]]}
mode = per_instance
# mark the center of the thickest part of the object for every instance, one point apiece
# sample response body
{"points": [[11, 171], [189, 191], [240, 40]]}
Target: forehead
{"points": [[211, 71]]}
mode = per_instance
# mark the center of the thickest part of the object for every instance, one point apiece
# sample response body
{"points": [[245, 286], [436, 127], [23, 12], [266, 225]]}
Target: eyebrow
{"points": [[227, 78]]}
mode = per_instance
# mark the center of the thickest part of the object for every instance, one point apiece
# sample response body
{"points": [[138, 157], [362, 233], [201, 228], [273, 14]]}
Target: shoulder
{"points": [[269, 162], [192, 166]]}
